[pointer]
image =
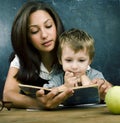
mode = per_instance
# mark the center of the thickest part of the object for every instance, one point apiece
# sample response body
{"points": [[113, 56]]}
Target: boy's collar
{"points": [[88, 68]]}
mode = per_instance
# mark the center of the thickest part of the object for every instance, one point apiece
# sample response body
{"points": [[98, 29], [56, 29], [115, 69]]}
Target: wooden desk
{"points": [[64, 115]]}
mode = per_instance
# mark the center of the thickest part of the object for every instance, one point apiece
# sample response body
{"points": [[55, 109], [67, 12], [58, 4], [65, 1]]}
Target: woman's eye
{"points": [[48, 26], [34, 30]]}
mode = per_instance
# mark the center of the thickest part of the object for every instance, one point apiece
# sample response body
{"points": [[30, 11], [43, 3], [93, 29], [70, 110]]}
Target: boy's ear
{"points": [[60, 61], [90, 61]]}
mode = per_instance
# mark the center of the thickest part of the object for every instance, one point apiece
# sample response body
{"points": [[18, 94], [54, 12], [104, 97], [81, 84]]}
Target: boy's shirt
{"points": [[56, 76], [58, 79]]}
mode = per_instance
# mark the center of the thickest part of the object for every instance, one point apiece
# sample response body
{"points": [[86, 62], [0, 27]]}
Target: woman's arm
{"points": [[49, 101], [103, 86], [12, 92]]}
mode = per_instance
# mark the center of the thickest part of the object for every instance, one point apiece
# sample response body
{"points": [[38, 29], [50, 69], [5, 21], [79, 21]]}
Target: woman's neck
{"points": [[48, 60]]}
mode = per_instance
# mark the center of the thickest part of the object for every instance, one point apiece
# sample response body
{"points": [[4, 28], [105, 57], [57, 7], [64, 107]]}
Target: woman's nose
{"points": [[44, 33]]}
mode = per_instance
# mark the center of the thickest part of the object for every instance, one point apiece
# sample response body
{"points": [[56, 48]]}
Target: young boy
{"points": [[75, 54]]}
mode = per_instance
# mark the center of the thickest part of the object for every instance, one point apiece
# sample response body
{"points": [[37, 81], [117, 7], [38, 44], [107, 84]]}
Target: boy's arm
{"points": [[85, 80]]}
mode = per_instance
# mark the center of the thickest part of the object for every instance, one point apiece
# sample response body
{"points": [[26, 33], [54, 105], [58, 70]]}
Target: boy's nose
{"points": [[74, 66]]}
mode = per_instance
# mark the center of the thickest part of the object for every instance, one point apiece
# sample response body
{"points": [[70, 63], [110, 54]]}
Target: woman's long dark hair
{"points": [[28, 56]]}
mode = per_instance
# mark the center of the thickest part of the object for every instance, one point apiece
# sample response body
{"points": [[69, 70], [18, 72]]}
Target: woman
{"points": [[34, 39]]}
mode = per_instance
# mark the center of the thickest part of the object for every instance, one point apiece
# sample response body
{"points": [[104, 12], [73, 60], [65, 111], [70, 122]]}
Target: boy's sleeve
{"points": [[56, 81], [92, 74]]}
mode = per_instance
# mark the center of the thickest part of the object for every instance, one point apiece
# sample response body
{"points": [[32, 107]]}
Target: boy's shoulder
{"points": [[94, 73], [94, 70]]}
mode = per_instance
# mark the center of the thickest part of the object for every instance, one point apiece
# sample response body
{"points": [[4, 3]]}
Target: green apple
{"points": [[112, 99]]}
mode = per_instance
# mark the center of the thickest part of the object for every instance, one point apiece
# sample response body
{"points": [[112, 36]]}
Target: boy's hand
{"points": [[71, 80], [85, 80]]}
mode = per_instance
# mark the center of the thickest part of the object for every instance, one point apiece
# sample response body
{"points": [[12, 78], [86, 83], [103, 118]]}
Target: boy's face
{"points": [[75, 62]]}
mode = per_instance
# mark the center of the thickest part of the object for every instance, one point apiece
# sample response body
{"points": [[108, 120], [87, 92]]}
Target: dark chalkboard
{"points": [[100, 18], [8, 10]]}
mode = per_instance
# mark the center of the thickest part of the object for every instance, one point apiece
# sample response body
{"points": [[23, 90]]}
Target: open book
{"points": [[82, 94]]}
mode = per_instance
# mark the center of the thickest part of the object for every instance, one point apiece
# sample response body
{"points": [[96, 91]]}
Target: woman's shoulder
{"points": [[15, 62]]}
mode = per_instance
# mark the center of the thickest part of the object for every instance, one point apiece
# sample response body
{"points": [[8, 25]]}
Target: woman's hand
{"points": [[53, 98], [103, 86]]}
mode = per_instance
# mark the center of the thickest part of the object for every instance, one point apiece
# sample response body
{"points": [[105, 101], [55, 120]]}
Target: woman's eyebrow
{"points": [[35, 25], [32, 25]]}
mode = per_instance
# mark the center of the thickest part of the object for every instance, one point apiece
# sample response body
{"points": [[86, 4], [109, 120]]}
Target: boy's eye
{"points": [[68, 60], [81, 60]]}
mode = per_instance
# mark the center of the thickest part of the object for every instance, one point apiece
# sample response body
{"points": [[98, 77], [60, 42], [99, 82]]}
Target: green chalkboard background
{"points": [[100, 18]]}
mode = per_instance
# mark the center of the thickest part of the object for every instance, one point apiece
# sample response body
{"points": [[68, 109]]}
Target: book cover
{"points": [[82, 94], [30, 90]]}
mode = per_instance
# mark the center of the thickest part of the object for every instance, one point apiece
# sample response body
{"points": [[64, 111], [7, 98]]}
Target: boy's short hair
{"points": [[77, 40]]}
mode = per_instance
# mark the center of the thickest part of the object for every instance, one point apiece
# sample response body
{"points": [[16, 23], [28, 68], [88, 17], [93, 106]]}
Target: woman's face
{"points": [[42, 31]]}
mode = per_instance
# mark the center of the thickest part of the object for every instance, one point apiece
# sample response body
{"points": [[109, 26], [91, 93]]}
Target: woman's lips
{"points": [[48, 43]]}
